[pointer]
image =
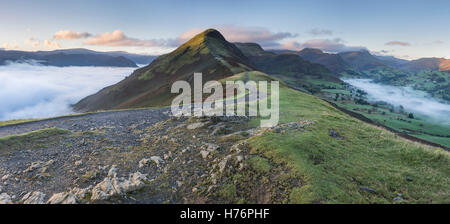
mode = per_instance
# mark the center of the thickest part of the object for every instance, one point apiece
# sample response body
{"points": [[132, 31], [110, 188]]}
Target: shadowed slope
{"points": [[333, 62]]}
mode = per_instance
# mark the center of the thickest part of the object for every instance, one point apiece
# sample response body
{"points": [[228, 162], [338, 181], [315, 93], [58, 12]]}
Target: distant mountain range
{"points": [[334, 62], [209, 53], [431, 64], [363, 60], [76, 57], [284, 63]]}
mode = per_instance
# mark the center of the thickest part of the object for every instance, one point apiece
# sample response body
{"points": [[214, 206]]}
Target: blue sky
{"points": [[407, 29]]}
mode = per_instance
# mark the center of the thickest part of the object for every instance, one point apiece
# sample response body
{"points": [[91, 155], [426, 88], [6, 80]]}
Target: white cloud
{"points": [[8, 45], [328, 45], [32, 42], [382, 52], [52, 44], [291, 45], [398, 43], [233, 33], [70, 35], [117, 38], [320, 32]]}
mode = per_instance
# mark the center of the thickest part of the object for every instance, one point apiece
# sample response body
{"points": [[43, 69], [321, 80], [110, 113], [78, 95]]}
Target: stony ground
{"points": [[140, 156]]}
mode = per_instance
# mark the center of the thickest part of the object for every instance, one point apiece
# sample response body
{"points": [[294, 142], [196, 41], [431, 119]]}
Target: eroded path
{"points": [[118, 119]]}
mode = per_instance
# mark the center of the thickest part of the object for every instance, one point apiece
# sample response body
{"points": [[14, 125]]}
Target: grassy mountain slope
{"points": [[289, 67], [208, 52], [252, 49], [391, 60], [333, 62], [361, 60], [342, 168]]}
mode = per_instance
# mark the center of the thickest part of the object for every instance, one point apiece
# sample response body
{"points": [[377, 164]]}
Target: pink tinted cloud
{"points": [[8, 45], [117, 38], [32, 42], [52, 44], [398, 43], [70, 35], [328, 45]]}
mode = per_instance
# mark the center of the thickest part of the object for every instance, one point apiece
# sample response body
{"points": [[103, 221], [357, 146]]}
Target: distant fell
{"points": [[333, 62], [361, 60], [430, 64], [61, 58]]}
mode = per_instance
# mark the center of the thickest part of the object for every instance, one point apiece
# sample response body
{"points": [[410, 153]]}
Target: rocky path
{"points": [[51, 163], [119, 119]]}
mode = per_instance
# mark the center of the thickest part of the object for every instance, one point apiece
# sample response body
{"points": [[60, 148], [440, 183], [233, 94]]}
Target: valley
{"points": [[334, 143], [409, 114]]}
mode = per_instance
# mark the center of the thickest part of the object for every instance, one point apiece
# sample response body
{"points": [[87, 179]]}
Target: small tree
{"points": [[411, 115]]}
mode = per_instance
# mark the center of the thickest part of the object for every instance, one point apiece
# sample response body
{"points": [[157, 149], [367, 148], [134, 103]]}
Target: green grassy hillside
{"points": [[289, 66], [360, 164], [333, 62]]}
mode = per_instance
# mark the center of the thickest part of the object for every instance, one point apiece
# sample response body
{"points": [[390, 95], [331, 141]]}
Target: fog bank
{"points": [[34, 91], [412, 100]]}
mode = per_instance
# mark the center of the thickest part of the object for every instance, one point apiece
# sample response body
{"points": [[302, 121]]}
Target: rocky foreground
{"points": [[141, 156]]}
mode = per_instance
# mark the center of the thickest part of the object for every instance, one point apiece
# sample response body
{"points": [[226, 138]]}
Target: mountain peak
{"points": [[212, 42], [208, 52], [204, 36], [212, 33]]}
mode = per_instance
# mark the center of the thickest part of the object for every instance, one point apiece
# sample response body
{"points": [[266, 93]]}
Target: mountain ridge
{"points": [[207, 52], [61, 59], [334, 62], [421, 64]]}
